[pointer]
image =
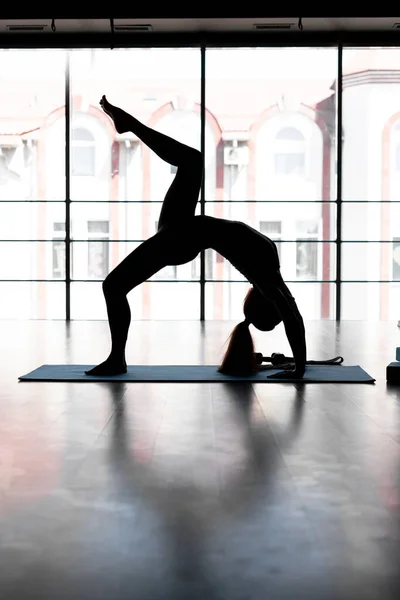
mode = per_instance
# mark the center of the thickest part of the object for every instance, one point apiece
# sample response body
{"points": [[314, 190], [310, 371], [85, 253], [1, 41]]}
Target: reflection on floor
{"points": [[195, 491]]}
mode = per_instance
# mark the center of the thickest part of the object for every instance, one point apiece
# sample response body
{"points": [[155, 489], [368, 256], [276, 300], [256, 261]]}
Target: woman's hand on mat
{"points": [[288, 373]]}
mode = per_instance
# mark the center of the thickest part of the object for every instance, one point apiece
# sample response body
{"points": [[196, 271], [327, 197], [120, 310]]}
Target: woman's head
{"points": [[260, 312], [239, 357]]}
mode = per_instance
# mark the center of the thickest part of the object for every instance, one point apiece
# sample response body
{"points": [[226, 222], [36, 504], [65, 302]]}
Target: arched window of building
{"points": [[290, 152], [82, 152]]}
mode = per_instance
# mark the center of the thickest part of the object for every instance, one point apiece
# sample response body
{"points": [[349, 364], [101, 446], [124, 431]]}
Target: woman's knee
{"points": [[193, 159], [111, 285]]}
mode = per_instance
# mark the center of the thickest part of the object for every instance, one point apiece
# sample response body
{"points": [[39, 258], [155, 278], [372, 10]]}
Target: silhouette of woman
{"points": [[180, 237]]}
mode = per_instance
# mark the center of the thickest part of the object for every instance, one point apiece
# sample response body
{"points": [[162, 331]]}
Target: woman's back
{"points": [[248, 250]]}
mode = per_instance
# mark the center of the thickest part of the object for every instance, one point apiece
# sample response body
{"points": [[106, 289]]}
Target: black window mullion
{"points": [[67, 189], [339, 137], [202, 191]]}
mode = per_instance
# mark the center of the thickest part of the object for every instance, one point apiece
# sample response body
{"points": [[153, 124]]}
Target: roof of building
{"points": [[359, 60]]}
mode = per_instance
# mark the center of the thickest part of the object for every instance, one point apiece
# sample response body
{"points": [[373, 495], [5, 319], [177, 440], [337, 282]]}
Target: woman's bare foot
{"points": [[108, 367], [120, 117]]}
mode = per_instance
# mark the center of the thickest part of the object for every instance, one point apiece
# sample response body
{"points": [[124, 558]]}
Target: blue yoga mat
{"points": [[176, 373]]}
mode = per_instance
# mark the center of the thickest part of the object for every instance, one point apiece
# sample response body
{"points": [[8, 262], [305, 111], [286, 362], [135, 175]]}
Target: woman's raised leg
{"points": [[180, 200]]}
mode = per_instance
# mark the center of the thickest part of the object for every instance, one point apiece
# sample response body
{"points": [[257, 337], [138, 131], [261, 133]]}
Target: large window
{"points": [[118, 180], [277, 111], [371, 183], [32, 117], [77, 195]]}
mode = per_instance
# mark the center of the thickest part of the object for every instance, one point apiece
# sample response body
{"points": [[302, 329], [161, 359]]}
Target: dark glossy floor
{"points": [[197, 491]]}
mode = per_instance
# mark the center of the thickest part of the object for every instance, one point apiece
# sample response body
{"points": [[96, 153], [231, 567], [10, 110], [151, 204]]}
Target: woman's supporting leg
{"points": [[119, 320], [136, 268], [181, 198], [179, 205]]}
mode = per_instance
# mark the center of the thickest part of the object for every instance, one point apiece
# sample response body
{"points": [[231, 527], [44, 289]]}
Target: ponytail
{"points": [[239, 357]]}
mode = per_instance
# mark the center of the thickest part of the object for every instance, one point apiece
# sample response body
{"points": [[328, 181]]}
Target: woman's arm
{"points": [[293, 323], [295, 332]]}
